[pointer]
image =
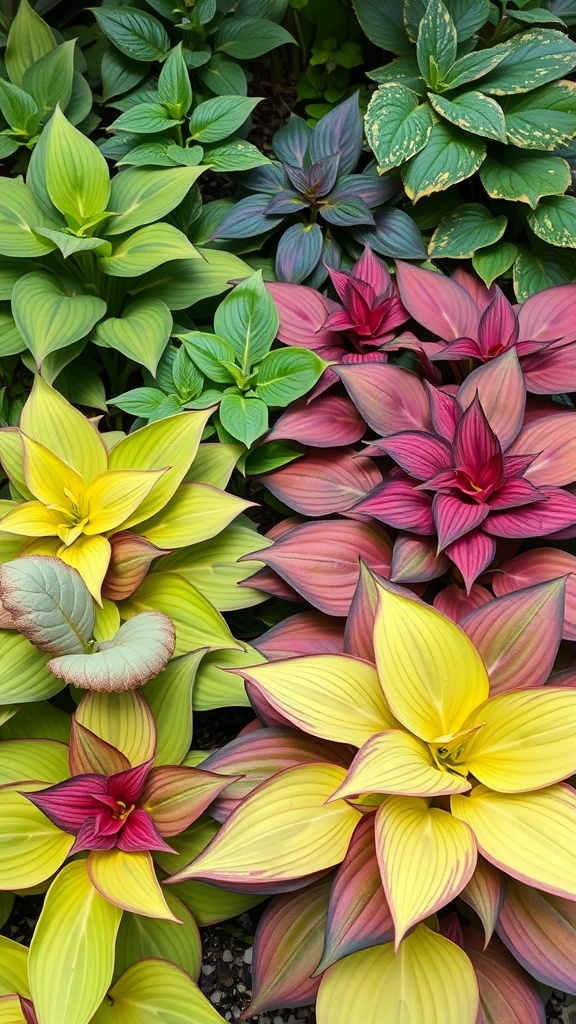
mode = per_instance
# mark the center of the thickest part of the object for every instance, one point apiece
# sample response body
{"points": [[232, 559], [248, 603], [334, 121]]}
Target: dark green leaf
{"points": [[383, 24], [467, 15], [49, 81], [533, 58], [145, 119], [536, 16], [246, 38], [450, 156], [524, 177], [472, 112], [542, 267], [136, 33], [18, 108], [187, 378], [542, 119], [270, 456], [223, 76], [248, 319], [119, 73], [473, 66], [554, 221], [436, 46], [220, 117], [244, 418], [403, 71], [397, 125], [467, 229], [174, 84]]}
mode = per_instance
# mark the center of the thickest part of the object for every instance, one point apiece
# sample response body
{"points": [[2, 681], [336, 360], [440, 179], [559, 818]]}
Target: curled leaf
{"points": [[49, 603]]}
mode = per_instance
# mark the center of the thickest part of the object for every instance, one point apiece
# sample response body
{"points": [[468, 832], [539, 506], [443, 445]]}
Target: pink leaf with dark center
{"points": [[537, 566], [330, 421], [303, 633], [416, 559], [472, 554], [498, 327], [455, 603], [477, 451], [419, 454], [438, 303], [372, 270], [129, 784], [555, 511], [321, 482], [397, 503], [500, 387], [454, 517], [69, 803], [140, 833], [389, 398], [445, 411]]}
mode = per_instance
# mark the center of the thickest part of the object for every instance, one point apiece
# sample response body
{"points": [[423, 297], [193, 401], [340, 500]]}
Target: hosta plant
{"points": [[419, 760]]}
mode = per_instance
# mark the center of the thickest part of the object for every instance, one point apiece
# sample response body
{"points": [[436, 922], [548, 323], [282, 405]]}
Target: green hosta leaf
{"points": [[147, 248], [82, 925], [494, 261], [151, 154], [222, 76], [140, 937], [467, 229], [209, 352], [145, 119], [37, 718], [218, 688], [542, 119], [153, 991], [554, 221], [11, 341], [80, 105], [246, 38], [270, 455], [50, 79], [234, 155], [20, 213], [169, 697], [450, 156], [472, 112], [7, 147], [119, 73], [149, 403], [403, 71], [25, 678], [77, 176], [69, 243], [472, 66], [220, 117], [49, 603], [187, 379], [436, 45], [536, 16], [243, 417], [141, 333], [383, 24], [31, 847], [397, 125], [467, 15], [541, 267], [19, 109], [51, 312], [524, 178], [28, 40], [140, 195], [174, 84], [532, 59], [136, 33], [286, 374], [185, 282], [248, 320]]}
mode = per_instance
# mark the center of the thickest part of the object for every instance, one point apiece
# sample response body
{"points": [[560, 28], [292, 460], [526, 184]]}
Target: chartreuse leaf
{"points": [[11, 1010], [247, 318], [140, 937], [214, 464], [554, 221], [77, 177], [129, 881], [195, 513], [210, 353], [26, 677], [18, 109], [136, 33], [82, 926], [13, 967], [472, 112], [48, 418], [49, 80], [28, 40], [51, 312], [40, 759], [169, 697], [244, 417], [467, 229], [123, 720], [284, 376], [181, 284], [20, 214], [141, 333], [397, 124], [39, 719], [429, 981], [494, 261], [283, 830], [220, 117], [152, 245], [174, 84], [449, 156], [532, 59], [216, 686], [152, 991], [141, 195], [542, 119], [423, 660], [436, 43], [49, 603], [11, 341], [31, 847], [524, 177]]}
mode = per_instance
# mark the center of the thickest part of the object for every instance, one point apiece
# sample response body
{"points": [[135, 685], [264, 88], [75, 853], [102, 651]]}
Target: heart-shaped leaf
{"points": [[49, 603], [51, 313], [141, 333], [146, 249], [153, 990]]}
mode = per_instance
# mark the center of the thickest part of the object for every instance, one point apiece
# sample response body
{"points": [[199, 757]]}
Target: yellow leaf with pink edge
{"points": [[328, 695], [397, 762], [129, 881], [156, 992], [123, 720], [527, 741], [49, 477], [47, 417], [80, 926], [12, 459], [112, 497], [11, 1010], [531, 836], [429, 981], [194, 514], [171, 442], [91, 557], [284, 830], [31, 847], [13, 967], [426, 856], [32, 519], [430, 671]]}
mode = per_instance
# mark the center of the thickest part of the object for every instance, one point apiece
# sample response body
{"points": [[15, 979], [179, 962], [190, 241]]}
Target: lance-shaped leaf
{"points": [[334, 697], [47, 416], [485, 893], [14, 969], [304, 633], [140, 937], [501, 391], [330, 421], [43, 760], [169, 697], [456, 604], [129, 881], [287, 949], [321, 483], [501, 823], [539, 565], [90, 754], [31, 847], [508, 634], [153, 990], [416, 560], [77, 178], [408, 832], [507, 993], [123, 720], [540, 930], [25, 677], [78, 922], [49, 603], [285, 830], [359, 629], [389, 398], [429, 981], [194, 514], [443, 305], [175, 795]]}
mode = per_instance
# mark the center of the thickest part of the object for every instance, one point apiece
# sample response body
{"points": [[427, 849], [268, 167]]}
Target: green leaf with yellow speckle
{"points": [[437, 42], [397, 124], [541, 267], [542, 119], [450, 156], [554, 221], [533, 59], [465, 230], [472, 112], [524, 177]]}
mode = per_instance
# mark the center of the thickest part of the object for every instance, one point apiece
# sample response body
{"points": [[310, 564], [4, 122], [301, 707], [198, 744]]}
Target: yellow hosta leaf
{"points": [[79, 926], [194, 514], [13, 968], [10, 1010], [429, 981], [397, 762], [32, 519], [47, 417], [214, 464], [140, 937], [426, 857], [531, 836], [122, 719], [527, 741], [12, 459], [107, 620], [25, 677], [169, 697], [39, 759], [113, 496], [154, 991], [129, 881], [327, 695], [171, 442], [216, 687], [31, 847], [285, 829], [91, 557], [430, 671], [49, 477]]}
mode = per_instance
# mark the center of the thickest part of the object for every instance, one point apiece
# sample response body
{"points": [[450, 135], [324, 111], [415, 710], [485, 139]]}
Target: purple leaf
{"points": [[343, 213], [340, 131], [394, 234], [247, 218], [298, 252], [291, 141]]}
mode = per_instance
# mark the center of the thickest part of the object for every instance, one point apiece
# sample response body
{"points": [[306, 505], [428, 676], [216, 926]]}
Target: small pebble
{"points": [[227, 956], [248, 960], [208, 969], [215, 997], [278, 1020], [240, 987]]}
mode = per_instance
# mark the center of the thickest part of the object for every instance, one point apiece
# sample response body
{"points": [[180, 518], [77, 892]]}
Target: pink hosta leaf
{"points": [[28, 1011], [321, 560], [304, 633], [89, 753], [416, 559], [398, 504], [419, 454], [330, 421], [445, 411], [474, 286], [455, 603], [537, 566], [139, 833], [321, 483], [500, 387], [359, 915], [555, 511], [472, 554], [175, 795], [69, 803], [129, 563], [485, 893], [540, 930], [389, 398], [508, 634], [441, 305], [303, 312], [360, 621], [455, 518], [287, 949], [551, 370], [548, 315], [267, 714], [552, 442], [268, 580], [507, 994]]}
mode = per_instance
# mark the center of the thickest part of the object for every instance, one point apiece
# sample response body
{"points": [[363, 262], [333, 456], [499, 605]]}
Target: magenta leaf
{"points": [[304, 633], [389, 398], [330, 421], [321, 483]]}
